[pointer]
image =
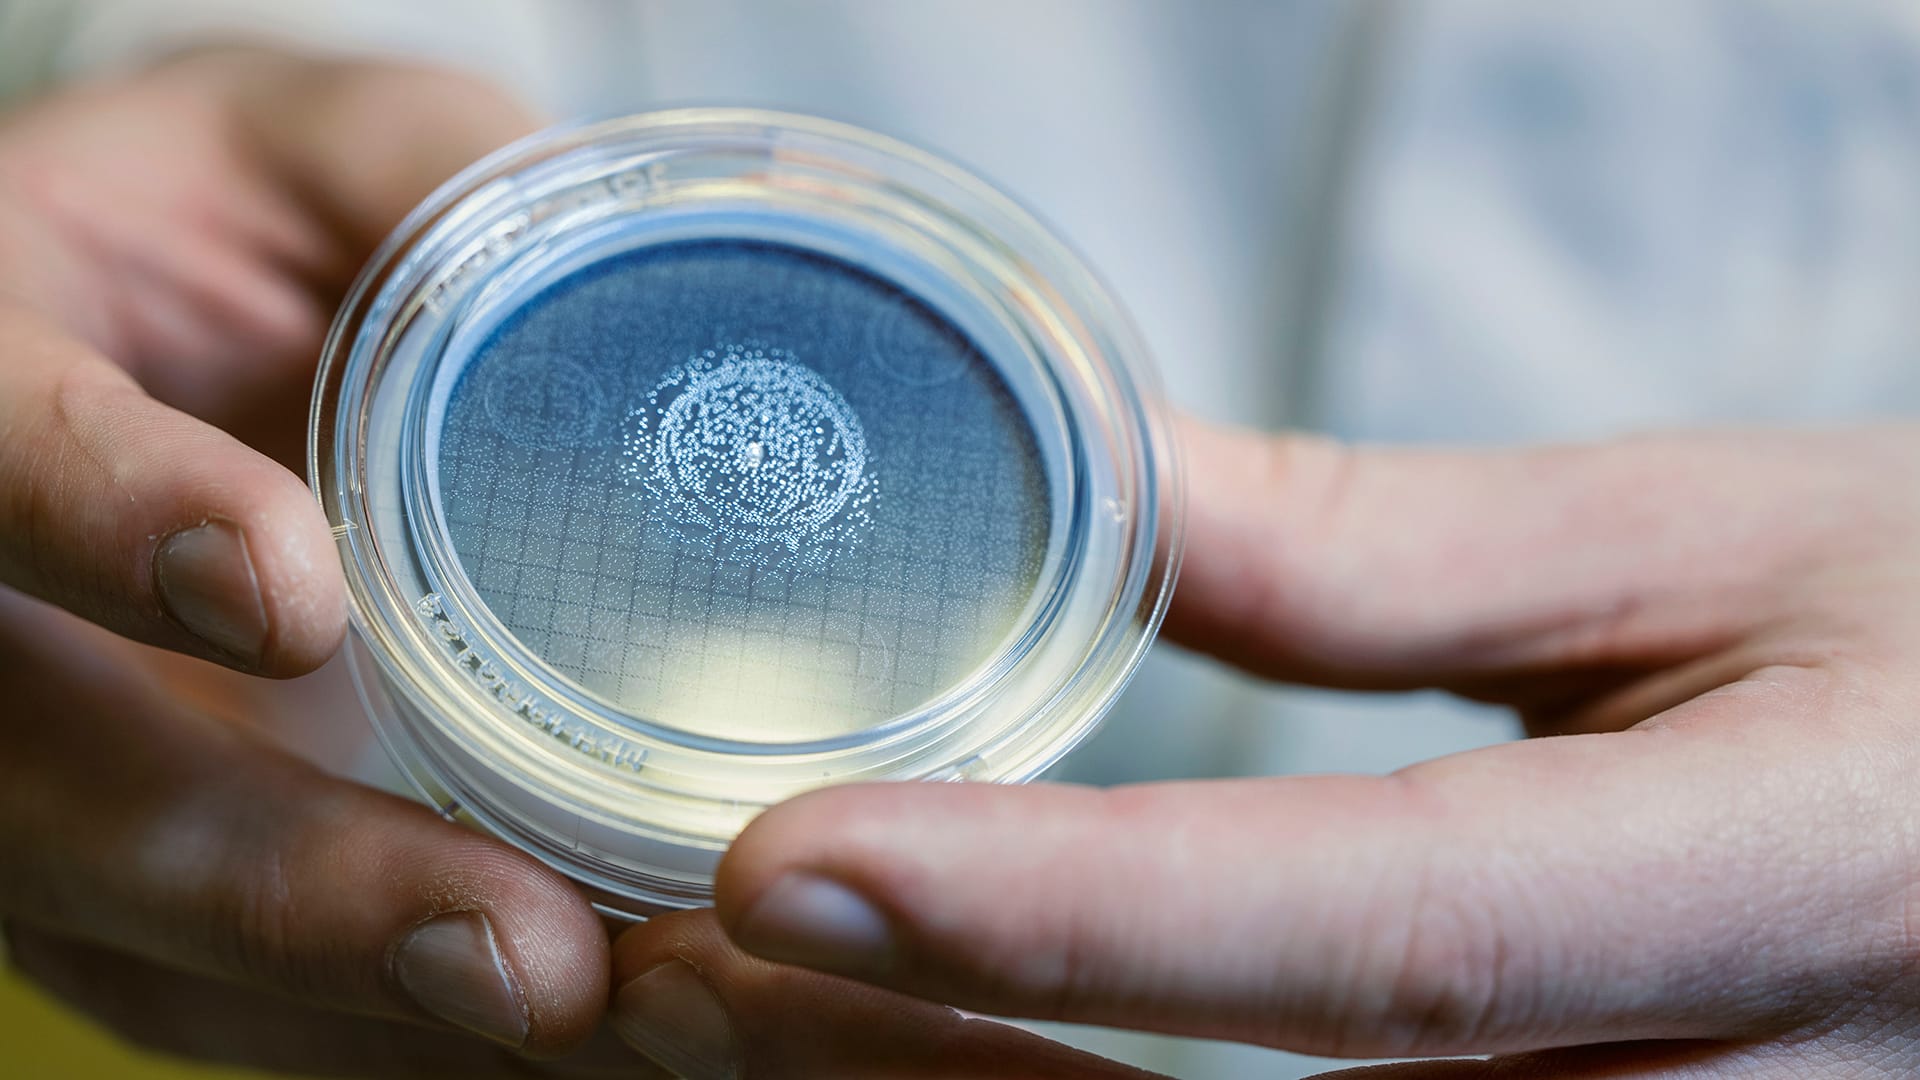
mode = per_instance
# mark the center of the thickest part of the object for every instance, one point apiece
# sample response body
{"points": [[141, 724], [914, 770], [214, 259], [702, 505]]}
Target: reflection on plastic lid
{"points": [[685, 462]]}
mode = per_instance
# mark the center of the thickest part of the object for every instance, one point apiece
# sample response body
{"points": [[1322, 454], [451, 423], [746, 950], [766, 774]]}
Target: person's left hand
{"points": [[172, 244], [1708, 868]]}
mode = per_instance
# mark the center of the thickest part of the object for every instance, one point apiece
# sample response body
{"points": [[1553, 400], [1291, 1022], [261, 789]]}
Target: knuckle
{"points": [[258, 923], [1051, 956], [1313, 475], [47, 465], [1444, 985], [355, 97], [1301, 537], [240, 903], [1054, 976], [1447, 974]]}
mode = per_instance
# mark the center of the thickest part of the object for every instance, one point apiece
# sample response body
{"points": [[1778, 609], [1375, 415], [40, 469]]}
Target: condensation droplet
{"points": [[543, 400], [904, 351]]}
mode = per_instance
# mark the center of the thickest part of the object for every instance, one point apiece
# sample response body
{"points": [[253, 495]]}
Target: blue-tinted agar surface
{"points": [[744, 490]]}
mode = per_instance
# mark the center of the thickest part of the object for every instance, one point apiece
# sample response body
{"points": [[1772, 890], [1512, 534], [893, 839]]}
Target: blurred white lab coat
{"points": [[1476, 221]]}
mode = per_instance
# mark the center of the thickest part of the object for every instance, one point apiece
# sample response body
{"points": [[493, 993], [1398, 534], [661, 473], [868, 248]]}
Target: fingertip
{"points": [[297, 563], [787, 838], [245, 566], [399, 912], [554, 944], [668, 976], [681, 934], [863, 880], [152, 523], [479, 936], [883, 834]]}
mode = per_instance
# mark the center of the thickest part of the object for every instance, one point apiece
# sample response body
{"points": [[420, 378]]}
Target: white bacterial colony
{"points": [[748, 451]]}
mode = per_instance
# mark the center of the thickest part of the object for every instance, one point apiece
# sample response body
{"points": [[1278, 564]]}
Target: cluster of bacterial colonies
{"points": [[749, 452]]}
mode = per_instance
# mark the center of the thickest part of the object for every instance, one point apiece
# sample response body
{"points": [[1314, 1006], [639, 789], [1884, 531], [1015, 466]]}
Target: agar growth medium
{"points": [[744, 490]]}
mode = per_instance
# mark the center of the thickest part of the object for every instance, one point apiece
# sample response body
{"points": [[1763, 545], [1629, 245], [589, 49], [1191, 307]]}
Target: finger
{"points": [[151, 523], [1650, 884], [697, 1005], [129, 820], [364, 142], [214, 333], [1387, 568], [213, 1022]]}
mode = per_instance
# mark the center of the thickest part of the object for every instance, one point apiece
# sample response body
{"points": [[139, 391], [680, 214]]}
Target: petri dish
{"points": [[684, 462]]}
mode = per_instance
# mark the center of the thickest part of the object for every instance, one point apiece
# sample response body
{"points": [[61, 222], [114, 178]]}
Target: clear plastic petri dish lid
{"points": [[684, 462]]}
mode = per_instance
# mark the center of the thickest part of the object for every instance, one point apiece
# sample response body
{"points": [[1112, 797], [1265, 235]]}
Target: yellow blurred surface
{"points": [[40, 1039]]}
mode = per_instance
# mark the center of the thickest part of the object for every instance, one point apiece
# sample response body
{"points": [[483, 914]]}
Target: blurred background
{"points": [[1465, 220]]}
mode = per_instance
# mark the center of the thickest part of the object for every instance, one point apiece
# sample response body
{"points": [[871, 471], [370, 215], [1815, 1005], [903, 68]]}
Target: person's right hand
{"points": [[171, 247], [1707, 867]]}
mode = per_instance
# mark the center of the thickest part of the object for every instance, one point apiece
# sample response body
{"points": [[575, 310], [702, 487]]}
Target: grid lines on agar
{"points": [[575, 563], [573, 618]]}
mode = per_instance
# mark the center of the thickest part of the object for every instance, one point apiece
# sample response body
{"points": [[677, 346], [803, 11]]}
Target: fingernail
{"points": [[206, 582], [451, 966], [817, 923], [671, 1015]]}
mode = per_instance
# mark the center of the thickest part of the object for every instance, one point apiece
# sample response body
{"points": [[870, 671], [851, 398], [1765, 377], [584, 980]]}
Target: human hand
{"points": [[1708, 871], [171, 247]]}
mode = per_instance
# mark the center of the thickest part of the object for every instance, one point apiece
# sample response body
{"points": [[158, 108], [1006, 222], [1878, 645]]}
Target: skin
{"points": [[174, 243], [1706, 869]]}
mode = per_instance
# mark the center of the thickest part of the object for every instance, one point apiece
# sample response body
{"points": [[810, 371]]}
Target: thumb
{"points": [[149, 522]]}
